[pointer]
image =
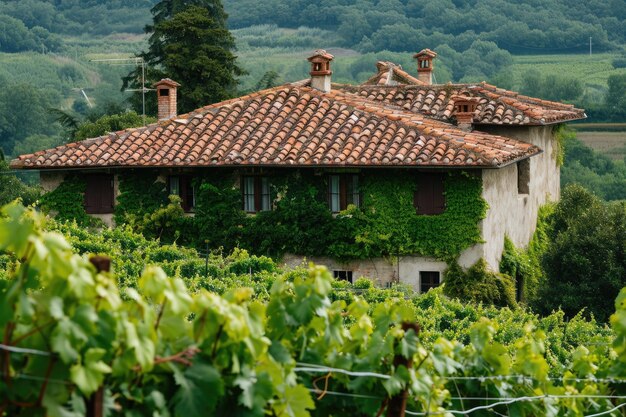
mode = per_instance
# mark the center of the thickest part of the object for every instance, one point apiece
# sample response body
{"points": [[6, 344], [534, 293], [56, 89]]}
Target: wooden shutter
{"points": [[429, 198], [99, 197]]}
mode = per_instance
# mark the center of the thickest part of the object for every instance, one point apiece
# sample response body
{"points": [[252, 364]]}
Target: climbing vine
{"points": [[300, 222], [66, 202], [524, 265], [140, 193]]}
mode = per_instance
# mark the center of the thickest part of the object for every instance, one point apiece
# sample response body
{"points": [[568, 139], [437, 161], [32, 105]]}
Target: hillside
{"points": [[48, 49]]}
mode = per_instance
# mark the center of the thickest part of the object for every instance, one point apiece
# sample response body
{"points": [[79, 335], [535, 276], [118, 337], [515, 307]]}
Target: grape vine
{"points": [[70, 337]]}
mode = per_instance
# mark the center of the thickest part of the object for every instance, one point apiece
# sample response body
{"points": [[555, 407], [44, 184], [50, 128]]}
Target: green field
{"points": [[592, 70]]}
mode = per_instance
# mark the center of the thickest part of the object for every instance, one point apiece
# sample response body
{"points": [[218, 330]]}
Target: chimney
{"points": [[166, 98], [464, 109], [320, 70], [425, 65]]}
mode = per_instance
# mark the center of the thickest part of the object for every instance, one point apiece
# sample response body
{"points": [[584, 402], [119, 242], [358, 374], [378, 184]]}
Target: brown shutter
{"points": [[183, 190], [99, 196], [439, 197], [429, 197]]}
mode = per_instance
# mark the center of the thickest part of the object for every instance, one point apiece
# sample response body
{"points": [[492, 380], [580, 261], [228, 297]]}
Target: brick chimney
{"points": [[320, 70], [425, 65], [464, 109], [166, 98]]}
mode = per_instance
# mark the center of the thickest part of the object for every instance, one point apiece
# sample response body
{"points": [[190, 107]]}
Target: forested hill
{"points": [[531, 26], [400, 25]]}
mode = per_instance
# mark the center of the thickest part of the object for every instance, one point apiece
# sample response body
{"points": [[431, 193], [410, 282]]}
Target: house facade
{"points": [[455, 167]]}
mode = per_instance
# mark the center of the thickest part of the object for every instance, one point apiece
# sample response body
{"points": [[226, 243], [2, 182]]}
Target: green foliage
{"points": [[301, 223], [166, 223], [551, 87], [109, 123], [140, 193], [585, 263], [593, 170], [524, 265], [11, 187], [550, 26], [66, 202], [23, 112], [616, 98], [480, 285], [189, 43], [162, 348]]}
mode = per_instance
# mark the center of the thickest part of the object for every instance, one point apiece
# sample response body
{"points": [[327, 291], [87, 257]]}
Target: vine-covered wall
{"points": [[386, 224]]}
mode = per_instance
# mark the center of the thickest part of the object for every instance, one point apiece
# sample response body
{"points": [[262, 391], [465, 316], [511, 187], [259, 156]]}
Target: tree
{"points": [[616, 97], [585, 262], [189, 43]]}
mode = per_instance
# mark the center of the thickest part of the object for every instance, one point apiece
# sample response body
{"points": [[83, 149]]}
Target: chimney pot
{"points": [[425, 65], [166, 98], [464, 109], [320, 70]]}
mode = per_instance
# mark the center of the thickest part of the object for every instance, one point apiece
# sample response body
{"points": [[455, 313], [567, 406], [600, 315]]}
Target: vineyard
{"points": [[235, 334]]}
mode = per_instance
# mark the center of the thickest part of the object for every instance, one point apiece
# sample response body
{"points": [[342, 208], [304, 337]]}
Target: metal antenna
{"points": [[132, 61]]}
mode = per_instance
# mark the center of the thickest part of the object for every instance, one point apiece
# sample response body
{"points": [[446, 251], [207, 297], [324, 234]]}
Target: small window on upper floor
{"points": [[343, 190], [523, 176], [428, 280], [164, 92], [256, 194], [181, 185], [430, 198]]}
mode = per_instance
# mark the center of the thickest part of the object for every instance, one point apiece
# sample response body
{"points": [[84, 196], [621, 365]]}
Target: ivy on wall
{"points": [[385, 225], [66, 202], [140, 193], [524, 265]]}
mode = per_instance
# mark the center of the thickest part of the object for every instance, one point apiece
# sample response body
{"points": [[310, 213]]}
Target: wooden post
{"points": [[102, 263], [397, 403], [95, 404]]}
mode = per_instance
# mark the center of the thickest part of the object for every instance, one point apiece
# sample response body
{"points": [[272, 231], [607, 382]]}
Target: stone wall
{"points": [[50, 180], [404, 269]]}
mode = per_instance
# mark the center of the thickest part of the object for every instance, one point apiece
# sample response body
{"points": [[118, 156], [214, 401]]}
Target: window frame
{"points": [[343, 275], [430, 283], [186, 191], [347, 192], [260, 194], [523, 177]]}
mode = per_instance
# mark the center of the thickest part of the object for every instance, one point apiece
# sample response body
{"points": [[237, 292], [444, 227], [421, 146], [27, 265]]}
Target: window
{"points": [[343, 276], [164, 92], [256, 194], [343, 190], [428, 280], [429, 198], [99, 198], [181, 186], [523, 176]]}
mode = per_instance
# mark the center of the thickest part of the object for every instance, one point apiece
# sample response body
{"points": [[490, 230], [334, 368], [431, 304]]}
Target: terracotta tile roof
{"points": [[391, 74], [290, 125], [495, 105]]}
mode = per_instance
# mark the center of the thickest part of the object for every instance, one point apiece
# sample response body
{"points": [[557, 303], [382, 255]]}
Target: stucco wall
{"points": [[50, 180], [382, 272], [511, 213]]}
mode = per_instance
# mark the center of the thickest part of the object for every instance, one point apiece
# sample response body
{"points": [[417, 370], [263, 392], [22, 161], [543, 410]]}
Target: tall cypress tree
{"points": [[190, 44]]}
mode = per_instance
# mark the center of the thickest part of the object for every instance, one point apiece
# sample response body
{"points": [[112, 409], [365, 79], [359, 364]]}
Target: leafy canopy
{"points": [[189, 43]]}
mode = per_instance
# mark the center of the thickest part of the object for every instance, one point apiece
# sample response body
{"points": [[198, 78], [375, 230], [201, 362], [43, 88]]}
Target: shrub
{"points": [[480, 285]]}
